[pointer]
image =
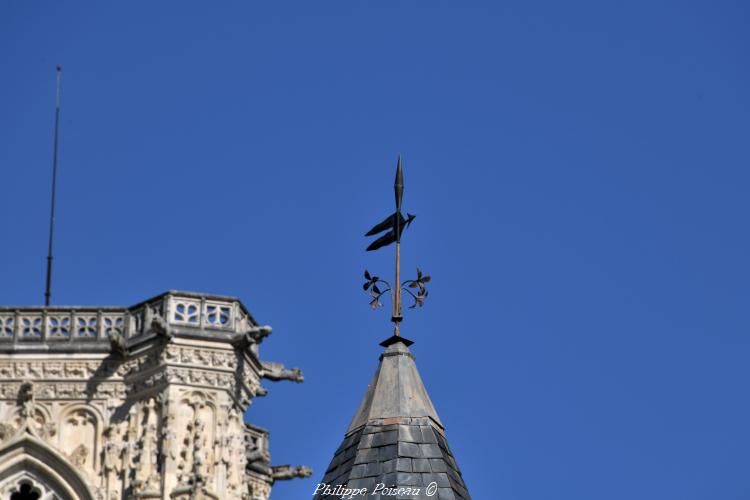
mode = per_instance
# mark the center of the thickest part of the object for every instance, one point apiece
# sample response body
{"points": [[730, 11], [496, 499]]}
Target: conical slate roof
{"points": [[396, 439]]}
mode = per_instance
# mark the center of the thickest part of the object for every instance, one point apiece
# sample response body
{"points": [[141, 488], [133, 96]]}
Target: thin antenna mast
{"points": [[48, 290]]}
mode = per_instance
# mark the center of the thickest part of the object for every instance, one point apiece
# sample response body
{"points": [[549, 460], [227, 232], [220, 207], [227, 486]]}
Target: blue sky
{"points": [[579, 171]]}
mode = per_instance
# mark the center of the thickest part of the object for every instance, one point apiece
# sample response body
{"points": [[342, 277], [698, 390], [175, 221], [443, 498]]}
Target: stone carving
{"points": [[47, 391], [79, 439], [200, 453], [118, 343], [36, 370], [129, 453], [277, 371], [286, 472], [6, 431], [149, 455], [168, 438], [111, 452], [71, 391], [257, 489], [258, 333], [8, 391], [135, 416], [65, 390], [76, 370], [46, 430], [78, 456], [26, 399], [203, 357], [53, 369], [156, 322], [257, 458], [147, 480]]}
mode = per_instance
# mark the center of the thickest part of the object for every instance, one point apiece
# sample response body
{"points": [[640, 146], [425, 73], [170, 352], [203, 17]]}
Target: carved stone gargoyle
{"points": [[258, 459], [258, 333], [286, 472], [155, 321], [117, 341], [277, 371]]}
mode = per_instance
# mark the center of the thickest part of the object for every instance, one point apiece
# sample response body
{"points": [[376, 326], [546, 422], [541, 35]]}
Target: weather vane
{"points": [[395, 223]]}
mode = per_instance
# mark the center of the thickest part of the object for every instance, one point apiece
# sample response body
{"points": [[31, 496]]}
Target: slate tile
{"points": [[410, 433], [409, 450], [374, 469], [349, 454], [388, 452], [350, 441], [366, 441], [358, 471], [428, 435], [366, 455], [408, 497], [362, 483], [403, 465], [347, 465], [384, 438], [446, 494], [430, 451], [341, 448], [438, 465], [421, 465], [441, 478], [389, 466], [388, 479], [408, 479], [390, 437]]}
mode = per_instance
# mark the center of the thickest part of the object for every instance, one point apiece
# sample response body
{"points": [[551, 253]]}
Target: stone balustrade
{"points": [[182, 310]]}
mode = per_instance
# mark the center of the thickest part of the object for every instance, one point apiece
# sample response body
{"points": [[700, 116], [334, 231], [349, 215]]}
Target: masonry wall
{"points": [[151, 409]]}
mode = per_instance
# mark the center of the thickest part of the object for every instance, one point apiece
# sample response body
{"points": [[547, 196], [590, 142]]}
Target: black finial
{"points": [[398, 185]]}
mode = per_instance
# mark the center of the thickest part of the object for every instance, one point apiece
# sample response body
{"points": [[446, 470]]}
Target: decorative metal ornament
{"points": [[376, 291], [377, 287]]}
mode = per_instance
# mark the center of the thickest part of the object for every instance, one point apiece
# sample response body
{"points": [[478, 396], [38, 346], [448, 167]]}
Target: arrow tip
{"points": [[399, 184]]}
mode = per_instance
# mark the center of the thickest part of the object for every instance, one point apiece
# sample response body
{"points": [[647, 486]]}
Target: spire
{"points": [[396, 439], [395, 446], [396, 389]]}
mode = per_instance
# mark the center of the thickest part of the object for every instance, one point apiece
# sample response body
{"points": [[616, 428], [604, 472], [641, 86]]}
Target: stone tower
{"points": [[111, 403], [395, 446]]}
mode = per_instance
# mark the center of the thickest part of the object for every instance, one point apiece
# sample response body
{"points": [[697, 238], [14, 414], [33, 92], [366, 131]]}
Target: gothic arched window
{"points": [[26, 492]]}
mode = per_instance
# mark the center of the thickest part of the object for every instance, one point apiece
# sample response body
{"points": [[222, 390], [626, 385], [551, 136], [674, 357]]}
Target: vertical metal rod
{"points": [[48, 289], [398, 188], [397, 301]]}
